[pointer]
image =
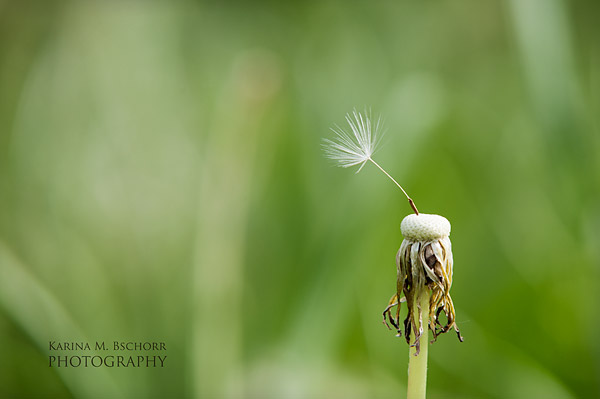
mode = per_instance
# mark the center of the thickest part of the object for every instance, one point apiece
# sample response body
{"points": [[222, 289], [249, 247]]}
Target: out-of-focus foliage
{"points": [[161, 179]]}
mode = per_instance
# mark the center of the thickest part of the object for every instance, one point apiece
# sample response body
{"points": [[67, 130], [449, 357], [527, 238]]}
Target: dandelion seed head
{"points": [[356, 148], [425, 266], [424, 227]]}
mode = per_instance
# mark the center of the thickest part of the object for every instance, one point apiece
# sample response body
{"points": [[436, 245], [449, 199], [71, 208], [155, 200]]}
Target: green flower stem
{"points": [[417, 365]]}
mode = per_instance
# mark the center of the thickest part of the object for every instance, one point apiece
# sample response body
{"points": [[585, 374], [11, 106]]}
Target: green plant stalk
{"points": [[417, 365]]}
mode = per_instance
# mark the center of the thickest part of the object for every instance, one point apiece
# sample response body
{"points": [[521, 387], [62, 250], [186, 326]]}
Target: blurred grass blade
{"points": [[39, 313]]}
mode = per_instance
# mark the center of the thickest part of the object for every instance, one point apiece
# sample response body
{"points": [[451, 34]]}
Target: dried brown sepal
{"points": [[423, 265]]}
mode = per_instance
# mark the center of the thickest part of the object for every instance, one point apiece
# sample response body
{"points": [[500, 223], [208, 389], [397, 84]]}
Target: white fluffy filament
{"points": [[356, 149]]}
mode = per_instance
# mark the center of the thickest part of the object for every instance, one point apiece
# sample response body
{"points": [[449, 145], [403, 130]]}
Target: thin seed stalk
{"points": [[410, 201], [417, 365]]}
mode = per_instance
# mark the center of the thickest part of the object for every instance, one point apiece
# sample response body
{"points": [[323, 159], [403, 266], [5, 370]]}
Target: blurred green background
{"points": [[161, 179]]}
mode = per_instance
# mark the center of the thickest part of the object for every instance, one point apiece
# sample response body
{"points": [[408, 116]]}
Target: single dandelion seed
{"points": [[424, 260], [359, 148]]}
